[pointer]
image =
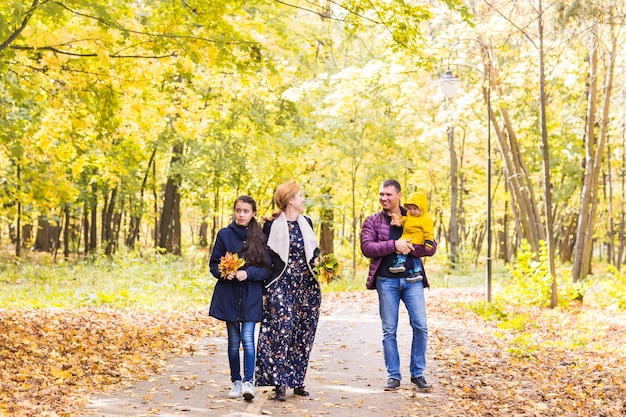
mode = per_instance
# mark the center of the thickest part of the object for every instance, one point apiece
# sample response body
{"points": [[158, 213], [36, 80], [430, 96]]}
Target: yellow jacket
{"points": [[420, 230]]}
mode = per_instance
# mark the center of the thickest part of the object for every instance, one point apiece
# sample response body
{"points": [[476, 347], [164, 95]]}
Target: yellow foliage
{"points": [[328, 269], [230, 263]]}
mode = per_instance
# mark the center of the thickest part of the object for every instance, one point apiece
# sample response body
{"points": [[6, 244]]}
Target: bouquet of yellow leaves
{"points": [[230, 263], [328, 269]]}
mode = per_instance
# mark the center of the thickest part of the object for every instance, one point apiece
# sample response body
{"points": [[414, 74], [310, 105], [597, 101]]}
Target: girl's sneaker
{"points": [[235, 391], [247, 390]]}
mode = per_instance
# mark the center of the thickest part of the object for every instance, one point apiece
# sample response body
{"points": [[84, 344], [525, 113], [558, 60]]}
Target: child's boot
{"points": [[398, 267], [414, 276]]}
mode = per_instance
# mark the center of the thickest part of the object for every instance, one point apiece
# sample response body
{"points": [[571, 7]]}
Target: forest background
{"points": [[134, 125], [127, 129]]}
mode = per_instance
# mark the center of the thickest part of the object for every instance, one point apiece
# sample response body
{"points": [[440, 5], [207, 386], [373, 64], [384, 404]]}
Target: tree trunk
{"points": [[18, 244], [169, 233], [202, 234], [453, 236], [327, 234], [86, 226], [109, 237], [215, 221], [136, 212], [545, 150], [589, 204], [582, 239], [622, 223], [93, 230], [523, 201], [505, 251], [610, 246], [66, 233], [599, 153], [42, 238], [103, 217], [155, 207]]}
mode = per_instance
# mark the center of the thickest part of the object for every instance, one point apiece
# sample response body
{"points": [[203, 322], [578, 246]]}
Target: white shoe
{"points": [[247, 390], [235, 392]]}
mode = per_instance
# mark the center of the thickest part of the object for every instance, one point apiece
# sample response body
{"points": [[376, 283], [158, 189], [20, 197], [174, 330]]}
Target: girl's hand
{"points": [[241, 275]]}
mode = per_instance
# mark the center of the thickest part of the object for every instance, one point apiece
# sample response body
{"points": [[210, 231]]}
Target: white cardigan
{"points": [[278, 241]]}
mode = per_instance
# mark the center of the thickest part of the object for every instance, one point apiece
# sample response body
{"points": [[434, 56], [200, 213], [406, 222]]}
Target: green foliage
{"points": [[162, 282], [488, 311], [529, 279], [606, 290], [512, 326], [523, 345], [528, 283]]}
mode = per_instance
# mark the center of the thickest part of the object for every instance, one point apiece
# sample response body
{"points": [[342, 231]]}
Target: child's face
{"points": [[413, 210]]}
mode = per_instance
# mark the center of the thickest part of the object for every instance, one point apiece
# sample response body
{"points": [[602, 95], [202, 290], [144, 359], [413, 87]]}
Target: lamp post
{"points": [[449, 86], [488, 265]]}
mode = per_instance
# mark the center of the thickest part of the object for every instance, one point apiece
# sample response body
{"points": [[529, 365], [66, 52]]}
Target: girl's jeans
{"points": [[241, 333]]}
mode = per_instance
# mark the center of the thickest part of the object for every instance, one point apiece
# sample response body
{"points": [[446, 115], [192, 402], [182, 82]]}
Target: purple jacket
{"points": [[375, 244]]}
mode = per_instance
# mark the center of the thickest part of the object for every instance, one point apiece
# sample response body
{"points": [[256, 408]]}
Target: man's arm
{"points": [[424, 250], [371, 246]]}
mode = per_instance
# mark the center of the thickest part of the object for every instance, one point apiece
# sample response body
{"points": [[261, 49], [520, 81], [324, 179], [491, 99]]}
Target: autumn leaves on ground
{"points": [[51, 360], [486, 361]]}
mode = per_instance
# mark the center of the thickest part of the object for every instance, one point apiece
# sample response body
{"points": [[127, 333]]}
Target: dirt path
{"points": [[345, 377]]}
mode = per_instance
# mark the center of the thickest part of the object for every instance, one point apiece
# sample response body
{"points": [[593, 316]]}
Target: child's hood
{"points": [[420, 200]]}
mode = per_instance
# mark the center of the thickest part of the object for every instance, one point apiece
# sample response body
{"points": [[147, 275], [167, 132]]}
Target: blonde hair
{"points": [[283, 194]]}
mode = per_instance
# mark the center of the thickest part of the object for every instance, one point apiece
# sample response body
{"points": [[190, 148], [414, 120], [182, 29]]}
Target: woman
{"points": [[238, 296], [292, 296]]}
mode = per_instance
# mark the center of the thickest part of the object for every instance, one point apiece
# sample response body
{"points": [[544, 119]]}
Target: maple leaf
{"points": [[230, 263], [328, 269]]}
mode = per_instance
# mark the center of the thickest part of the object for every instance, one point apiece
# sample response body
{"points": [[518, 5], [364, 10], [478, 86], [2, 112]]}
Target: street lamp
{"points": [[449, 86], [488, 266]]}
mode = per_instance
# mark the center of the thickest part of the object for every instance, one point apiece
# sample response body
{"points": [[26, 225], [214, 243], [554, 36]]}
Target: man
{"points": [[381, 242]]}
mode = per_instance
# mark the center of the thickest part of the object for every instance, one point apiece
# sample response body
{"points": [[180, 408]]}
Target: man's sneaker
{"points": [[421, 383], [235, 391], [247, 390], [392, 384]]}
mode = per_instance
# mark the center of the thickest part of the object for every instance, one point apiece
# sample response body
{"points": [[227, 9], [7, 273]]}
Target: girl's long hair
{"points": [[254, 247]]}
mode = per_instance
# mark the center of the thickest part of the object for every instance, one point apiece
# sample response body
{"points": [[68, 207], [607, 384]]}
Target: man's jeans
{"points": [[237, 333], [390, 292]]}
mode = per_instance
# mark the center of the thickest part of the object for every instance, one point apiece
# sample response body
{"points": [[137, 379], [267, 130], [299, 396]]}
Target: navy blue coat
{"points": [[235, 300]]}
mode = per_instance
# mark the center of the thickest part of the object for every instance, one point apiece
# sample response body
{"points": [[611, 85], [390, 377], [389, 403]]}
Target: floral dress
{"points": [[289, 320]]}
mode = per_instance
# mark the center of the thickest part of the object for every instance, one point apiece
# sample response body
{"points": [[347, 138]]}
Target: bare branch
{"points": [[155, 35], [91, 54], [19, 30], [325, 15]]}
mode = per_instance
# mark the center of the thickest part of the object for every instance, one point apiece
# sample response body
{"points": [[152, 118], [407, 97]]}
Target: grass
{"points": [[157, 283]]}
